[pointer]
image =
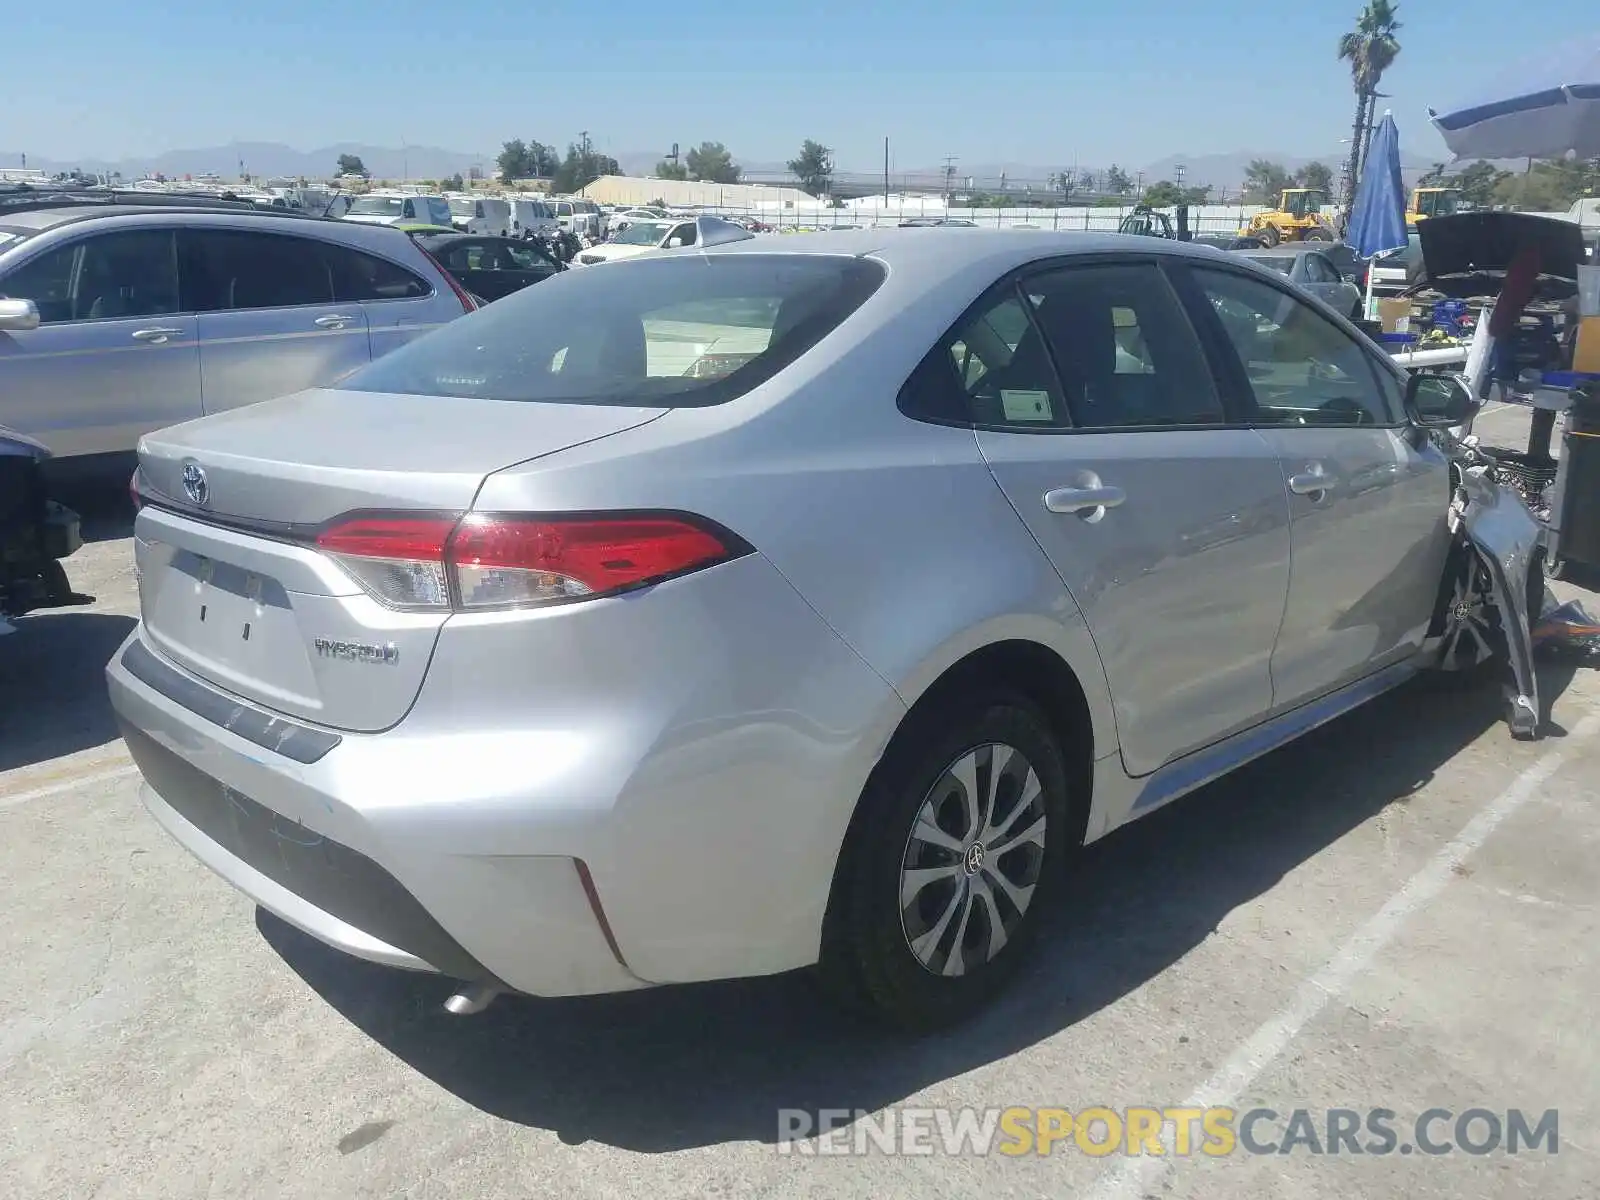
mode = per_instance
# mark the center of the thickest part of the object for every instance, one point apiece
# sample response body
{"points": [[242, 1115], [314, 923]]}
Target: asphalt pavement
{"points": [[1399, 912]]}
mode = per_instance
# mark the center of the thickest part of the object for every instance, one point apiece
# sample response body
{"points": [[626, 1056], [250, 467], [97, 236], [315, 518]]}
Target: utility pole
{"points": [[949, 176], [886, 173]]}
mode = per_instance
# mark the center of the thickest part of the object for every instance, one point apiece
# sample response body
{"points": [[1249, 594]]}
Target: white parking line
{"points": [[39, 780], [1133, 1178]]}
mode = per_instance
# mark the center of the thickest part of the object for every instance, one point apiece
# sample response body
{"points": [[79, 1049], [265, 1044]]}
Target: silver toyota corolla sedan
{"points": [[780, 605]]}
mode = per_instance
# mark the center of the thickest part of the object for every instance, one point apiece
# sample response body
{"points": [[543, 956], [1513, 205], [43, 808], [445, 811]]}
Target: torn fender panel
{"points": [[1507, 538]]}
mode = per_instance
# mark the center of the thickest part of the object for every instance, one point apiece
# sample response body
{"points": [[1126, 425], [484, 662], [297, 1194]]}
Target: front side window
{"points": [[1127, 355], [109, 276], [236, 269], [669, 332], [1303, 369]]}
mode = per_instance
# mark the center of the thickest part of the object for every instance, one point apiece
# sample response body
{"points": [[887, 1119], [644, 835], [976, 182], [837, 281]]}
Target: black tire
{"points": [[1317, 235], [867, 959], [1269, 236]]}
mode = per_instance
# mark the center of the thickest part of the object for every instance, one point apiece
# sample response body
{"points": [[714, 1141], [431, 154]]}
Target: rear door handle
{"points": [[158, 335], [1084, 500], [334, 321], [1311, 483]]}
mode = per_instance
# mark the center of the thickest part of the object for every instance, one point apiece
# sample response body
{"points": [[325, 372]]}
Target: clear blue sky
{"points": [[988, 81]]}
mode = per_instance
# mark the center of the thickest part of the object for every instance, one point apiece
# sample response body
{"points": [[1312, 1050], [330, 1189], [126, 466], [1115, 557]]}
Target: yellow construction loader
{"points": [[1298, 218], [1432, 202]]}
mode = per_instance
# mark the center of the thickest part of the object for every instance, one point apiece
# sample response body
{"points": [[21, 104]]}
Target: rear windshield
{"points": [[377, 206], [1281, 263], [666, 333]]}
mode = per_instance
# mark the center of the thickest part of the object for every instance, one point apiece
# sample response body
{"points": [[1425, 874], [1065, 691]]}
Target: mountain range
{"points": [[274, 159]]}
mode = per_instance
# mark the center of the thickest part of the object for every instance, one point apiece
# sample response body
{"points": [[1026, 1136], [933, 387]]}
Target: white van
{"points": [[472, 214], [580, 216], [530, 215], [399, 208]]}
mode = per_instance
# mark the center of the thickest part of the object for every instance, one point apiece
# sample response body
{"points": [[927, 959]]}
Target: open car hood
{"points": [[1469, 253]]}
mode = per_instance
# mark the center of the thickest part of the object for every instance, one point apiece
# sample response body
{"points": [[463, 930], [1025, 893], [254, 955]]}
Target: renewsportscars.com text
{"points": [[1180, 1132]]}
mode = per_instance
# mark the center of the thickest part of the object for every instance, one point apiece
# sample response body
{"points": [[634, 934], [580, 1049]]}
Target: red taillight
{"points": [[468, 304], [399, 559], [492, 560], [133, 491]]}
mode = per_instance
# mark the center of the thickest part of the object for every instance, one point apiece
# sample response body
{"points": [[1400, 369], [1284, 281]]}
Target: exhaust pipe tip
{"points": [[471, 1000]]}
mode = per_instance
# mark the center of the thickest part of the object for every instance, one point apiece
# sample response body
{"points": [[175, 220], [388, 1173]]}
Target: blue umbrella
{"points": [[1378, 216], [1542, 108]]}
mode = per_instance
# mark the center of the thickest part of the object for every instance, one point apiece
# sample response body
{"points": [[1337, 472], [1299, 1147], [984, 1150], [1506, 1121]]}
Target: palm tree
{"points": [[1370, 49]]}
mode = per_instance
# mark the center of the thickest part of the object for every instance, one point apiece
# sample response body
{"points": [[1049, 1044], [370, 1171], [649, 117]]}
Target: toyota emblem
{"points": [[194, 484]]}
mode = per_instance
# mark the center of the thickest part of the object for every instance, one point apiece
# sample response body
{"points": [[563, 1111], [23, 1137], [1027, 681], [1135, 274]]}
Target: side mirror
{"points": [[19, 314], [675, 243], [1438, 401]]}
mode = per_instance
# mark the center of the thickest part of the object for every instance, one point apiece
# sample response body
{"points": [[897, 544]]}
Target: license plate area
{"points": [[232, 625]]}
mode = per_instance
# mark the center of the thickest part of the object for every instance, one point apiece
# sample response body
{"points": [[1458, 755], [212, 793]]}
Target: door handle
{"points": [[1086, 501], [158, 335], [333, 321], [1311, 483]]}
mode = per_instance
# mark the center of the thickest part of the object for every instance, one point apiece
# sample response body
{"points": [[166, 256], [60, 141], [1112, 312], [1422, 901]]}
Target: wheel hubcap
{"points": [[1468, 634], [972, 860]]}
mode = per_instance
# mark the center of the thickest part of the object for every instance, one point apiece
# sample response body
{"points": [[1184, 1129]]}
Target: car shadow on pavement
{"points": [[53, 697], [692, 1066]]}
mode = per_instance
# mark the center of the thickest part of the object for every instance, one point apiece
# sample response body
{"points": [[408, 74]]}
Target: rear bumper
{"points": [[372, 895], [697, 775]]}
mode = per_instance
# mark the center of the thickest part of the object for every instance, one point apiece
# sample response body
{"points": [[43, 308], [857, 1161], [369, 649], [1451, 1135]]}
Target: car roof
{"points": [[247, 216], [1291, 251], [935, 251]]}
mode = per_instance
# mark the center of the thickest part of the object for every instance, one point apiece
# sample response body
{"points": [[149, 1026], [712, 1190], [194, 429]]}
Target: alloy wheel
{"points": [[972, 860], [1469, 632]]}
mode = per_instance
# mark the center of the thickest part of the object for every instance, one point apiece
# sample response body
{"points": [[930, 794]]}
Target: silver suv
{"points": [[136, 316]]}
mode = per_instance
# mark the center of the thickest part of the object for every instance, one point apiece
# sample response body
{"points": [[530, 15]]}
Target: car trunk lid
{"points": [[232, 587]]}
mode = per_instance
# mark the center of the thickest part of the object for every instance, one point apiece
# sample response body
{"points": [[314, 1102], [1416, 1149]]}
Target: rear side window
{"points": [[673, 333], [359, 277], [235, 269]]}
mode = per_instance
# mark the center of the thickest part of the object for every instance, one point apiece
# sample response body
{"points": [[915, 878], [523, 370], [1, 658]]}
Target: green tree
{"points": [[1166, 194], [1547, 186], [1315, 175], [581, 167], [1370, 49], [667, 169], [1163, 194], [351, 164], [814, 169], [1117, 181], [1434, 176], [455, 183], [1478, 183], [1264, 180], [512, 161], [710, 162], [542, 161]]}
